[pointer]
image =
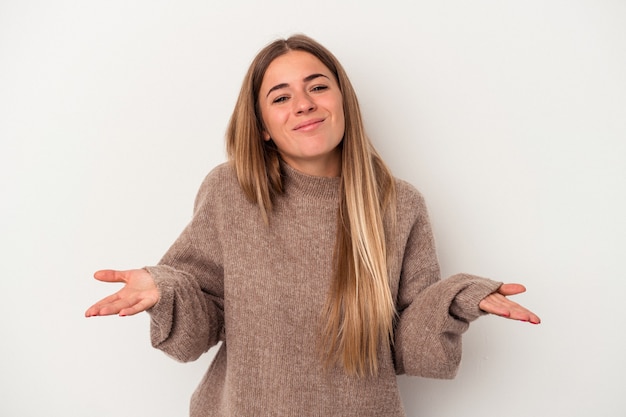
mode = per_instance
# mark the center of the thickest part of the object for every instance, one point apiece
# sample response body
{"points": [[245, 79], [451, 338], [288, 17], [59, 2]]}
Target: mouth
{"points": [[308, 125]]}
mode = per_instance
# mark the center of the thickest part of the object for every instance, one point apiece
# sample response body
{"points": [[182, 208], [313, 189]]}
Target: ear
{"points": [[266, 135]]}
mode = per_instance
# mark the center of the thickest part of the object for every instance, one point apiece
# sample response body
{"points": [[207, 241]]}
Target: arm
{"points": [[183, 294], [432, 313], [189, 317], [428, 340]]}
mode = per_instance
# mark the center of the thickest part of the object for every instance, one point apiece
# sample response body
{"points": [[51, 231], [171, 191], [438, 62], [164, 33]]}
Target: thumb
{"points": [[511, 289], [110, 275]]}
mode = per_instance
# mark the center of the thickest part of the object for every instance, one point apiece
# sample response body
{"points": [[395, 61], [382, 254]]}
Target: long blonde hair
{"points": [[360, 310]]}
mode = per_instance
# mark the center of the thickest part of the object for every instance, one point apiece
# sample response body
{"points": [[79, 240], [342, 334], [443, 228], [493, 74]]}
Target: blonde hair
{"points": [[360, 310]]}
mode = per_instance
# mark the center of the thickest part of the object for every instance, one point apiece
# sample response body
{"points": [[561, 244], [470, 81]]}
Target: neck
{"points": [[330, 167]]}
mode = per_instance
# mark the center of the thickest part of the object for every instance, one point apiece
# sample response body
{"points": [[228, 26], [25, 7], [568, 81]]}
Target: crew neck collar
{"points": [[297, 182]]}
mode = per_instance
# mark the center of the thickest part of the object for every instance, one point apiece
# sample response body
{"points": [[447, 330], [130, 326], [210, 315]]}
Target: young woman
{"points": [[313, 266]]}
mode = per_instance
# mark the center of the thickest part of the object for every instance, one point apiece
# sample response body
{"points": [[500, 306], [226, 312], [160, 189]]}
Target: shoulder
{"points": [[408, 197], [220, 184], [220, 175], [219, 179]]}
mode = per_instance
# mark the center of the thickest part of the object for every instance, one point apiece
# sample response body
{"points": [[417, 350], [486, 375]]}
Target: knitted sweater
{"points": [[260, 290]]}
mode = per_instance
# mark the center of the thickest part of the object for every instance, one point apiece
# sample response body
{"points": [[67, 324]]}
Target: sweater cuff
{"points": [[465, 304], [161, 314]]}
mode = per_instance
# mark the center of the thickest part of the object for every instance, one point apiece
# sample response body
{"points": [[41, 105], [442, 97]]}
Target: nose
{"points": [[304, 104]]}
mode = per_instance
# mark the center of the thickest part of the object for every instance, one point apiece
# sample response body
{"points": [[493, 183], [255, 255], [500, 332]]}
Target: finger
{"points": [[525, 315], [139, 307], [91, 311], [95, 309], [499, 305], [494, 304], [511, 289], [117, 306], [110, 275], [516, 311]]}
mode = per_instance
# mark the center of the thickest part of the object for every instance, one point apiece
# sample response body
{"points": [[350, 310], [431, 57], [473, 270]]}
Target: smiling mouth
{"points": [[309, 124]]}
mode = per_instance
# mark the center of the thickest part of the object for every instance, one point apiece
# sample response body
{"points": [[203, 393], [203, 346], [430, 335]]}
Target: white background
{"points": [[509, 116]]}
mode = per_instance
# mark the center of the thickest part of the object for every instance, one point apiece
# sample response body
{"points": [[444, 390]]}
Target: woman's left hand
{"points": [[497, 303]]}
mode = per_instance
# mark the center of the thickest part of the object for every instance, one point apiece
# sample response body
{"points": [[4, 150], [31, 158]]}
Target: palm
{"points": [[497, 303], [138, 294]]}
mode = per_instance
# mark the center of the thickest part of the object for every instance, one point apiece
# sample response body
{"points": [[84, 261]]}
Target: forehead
{"points": [[293, 66]]}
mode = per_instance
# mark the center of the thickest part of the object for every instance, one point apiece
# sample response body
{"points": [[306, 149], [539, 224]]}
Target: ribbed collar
{"points": [[301, 184]]}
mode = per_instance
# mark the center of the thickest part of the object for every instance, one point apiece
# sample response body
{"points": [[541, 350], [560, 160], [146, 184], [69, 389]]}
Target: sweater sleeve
{"points": [[188, 319], [433, 313]]}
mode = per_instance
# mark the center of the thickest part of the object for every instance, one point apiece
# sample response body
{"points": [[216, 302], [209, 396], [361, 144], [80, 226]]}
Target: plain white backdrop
{"points": [[509, 116]]}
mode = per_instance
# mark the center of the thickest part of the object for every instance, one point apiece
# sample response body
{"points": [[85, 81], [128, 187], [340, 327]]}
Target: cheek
{"points": [[338, 109], [276, 122], [341, 120], [269, 129], [267, 126]]}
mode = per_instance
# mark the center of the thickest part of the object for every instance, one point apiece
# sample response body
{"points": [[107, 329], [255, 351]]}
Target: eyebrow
{"points": [[306, 80]]}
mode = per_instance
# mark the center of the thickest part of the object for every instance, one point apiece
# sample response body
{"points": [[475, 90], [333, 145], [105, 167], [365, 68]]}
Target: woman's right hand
{"points": [[138, 294]]}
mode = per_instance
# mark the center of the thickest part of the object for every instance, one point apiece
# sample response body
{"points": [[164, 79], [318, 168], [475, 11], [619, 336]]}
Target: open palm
{"points": [[138, 294], [497, 303]]}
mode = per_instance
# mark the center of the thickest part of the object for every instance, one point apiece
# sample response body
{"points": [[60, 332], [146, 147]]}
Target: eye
{"points": [[280, 99], [320, 87]]}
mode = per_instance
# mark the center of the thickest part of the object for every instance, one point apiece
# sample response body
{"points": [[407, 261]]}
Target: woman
{"points": [[307, 259]]}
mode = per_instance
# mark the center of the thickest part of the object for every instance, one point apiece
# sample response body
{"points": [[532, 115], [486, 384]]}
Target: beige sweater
{"points": [[260, 291]]}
